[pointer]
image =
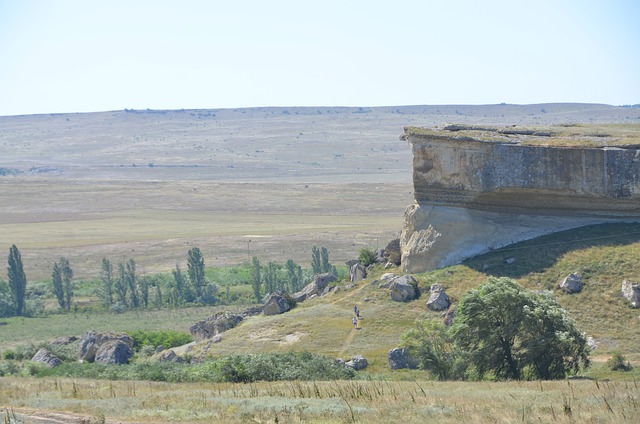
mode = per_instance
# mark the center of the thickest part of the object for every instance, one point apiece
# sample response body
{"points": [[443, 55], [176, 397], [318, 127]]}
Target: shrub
{"points": [[165, 338], [9, 354], [367, 256], [617, 362]]}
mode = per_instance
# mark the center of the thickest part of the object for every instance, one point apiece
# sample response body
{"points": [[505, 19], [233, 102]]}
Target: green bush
{"points": [[165, 338], [235, 368], [367, 256], [617, 362], [9, 354]]}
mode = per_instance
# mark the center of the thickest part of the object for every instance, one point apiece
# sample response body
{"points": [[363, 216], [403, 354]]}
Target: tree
{"points": [[132, 282], [121, 285], [320, 261], [431, 343], [17, 279], [256, 280], [62, 286], [179, 294], [195, 271], [367, 256], [316, 263], [106, 275], [294, 274], [515, 333]]}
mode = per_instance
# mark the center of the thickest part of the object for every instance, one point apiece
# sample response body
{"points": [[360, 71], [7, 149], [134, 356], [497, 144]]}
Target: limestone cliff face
{"points": [[477, 189]]}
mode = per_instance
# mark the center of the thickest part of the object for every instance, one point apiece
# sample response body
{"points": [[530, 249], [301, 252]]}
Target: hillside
{"points": [[603, 254]]}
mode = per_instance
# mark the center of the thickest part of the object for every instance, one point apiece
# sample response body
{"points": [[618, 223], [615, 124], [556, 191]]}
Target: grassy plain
{"points": [[273, 182]]}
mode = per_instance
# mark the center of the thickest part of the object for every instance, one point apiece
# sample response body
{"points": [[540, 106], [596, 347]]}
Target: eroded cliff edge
{"points": [[481, 188]]}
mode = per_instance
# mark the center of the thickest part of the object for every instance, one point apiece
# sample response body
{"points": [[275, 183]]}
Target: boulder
{"points": [[44, 356], [278, 302], [393, 252], [400, 358], [169, 356], [631, 292], [357, 272], [403, 288], [357, 362], [571, 284], [438, 299], [385, 280], [92, 341], [315, 287], [114, 352], [380, 258], [213, 325]]}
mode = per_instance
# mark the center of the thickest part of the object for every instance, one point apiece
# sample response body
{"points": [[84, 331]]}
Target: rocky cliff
{"points": [[481, 188]]}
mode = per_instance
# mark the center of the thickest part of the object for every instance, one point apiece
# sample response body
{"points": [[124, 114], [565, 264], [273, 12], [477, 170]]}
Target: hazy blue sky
{"points": [[83, 55]]}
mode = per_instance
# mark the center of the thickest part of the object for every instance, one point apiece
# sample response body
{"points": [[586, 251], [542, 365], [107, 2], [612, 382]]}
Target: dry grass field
{"points": [[273, 182], [149, 185]]}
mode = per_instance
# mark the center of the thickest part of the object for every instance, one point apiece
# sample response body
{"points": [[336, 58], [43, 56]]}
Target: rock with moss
{"points": [[403, 288], [631, 292], [92, 341], [278, 302], [571, 284], [438, 299], [315, 287], [44, 356], [115, 352], [213, 325], [357, 362], [401, 358]]}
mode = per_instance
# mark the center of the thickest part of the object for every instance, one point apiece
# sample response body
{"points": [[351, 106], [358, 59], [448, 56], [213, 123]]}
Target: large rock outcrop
{"points": [[213, 325], [93, 341], [478, 189]]}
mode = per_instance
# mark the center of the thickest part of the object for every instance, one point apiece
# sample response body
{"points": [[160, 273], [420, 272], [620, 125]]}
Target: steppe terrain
{"points": [[270, 182]]}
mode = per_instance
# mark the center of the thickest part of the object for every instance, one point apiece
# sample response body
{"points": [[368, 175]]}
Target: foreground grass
{"points": [[567, 401]]}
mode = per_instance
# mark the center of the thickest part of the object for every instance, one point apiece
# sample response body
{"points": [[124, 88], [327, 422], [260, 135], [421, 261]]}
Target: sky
{"points": [[68, 56]]}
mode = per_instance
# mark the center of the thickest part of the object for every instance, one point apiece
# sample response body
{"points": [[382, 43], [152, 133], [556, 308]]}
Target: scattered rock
{"points": [[509, 261], [393, 252], [317, 286], [357, 362], [449, 316], [278, 302], [217, 338], [44, 356], [631, 292], [400, 358], [92, 341], [114, 352], [169, 356], [380, 258], [403, 289], [571, 284], [357, 272], [213, 325], [252, 311], [592, 343], [438, 299]]}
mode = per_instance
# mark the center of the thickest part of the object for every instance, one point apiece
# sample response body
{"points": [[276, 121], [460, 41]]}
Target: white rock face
{"points": [[438, 236]]}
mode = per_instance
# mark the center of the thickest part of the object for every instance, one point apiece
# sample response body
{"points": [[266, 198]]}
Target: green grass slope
{"points": [[604, 255]]}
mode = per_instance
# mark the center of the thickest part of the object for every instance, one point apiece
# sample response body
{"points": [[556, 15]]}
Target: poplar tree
{"points": [[17, 279]]}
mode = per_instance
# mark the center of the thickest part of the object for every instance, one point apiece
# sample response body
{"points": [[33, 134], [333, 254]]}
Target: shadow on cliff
{"points": [[539, 254]]}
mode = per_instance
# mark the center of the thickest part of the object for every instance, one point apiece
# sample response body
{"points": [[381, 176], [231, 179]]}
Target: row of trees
{"points": [[503, 330], [125, 289], [271, 277], [121, 287]]}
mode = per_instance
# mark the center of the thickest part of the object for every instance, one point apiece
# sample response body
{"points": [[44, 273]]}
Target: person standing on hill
{"points": [[355, 322]]}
